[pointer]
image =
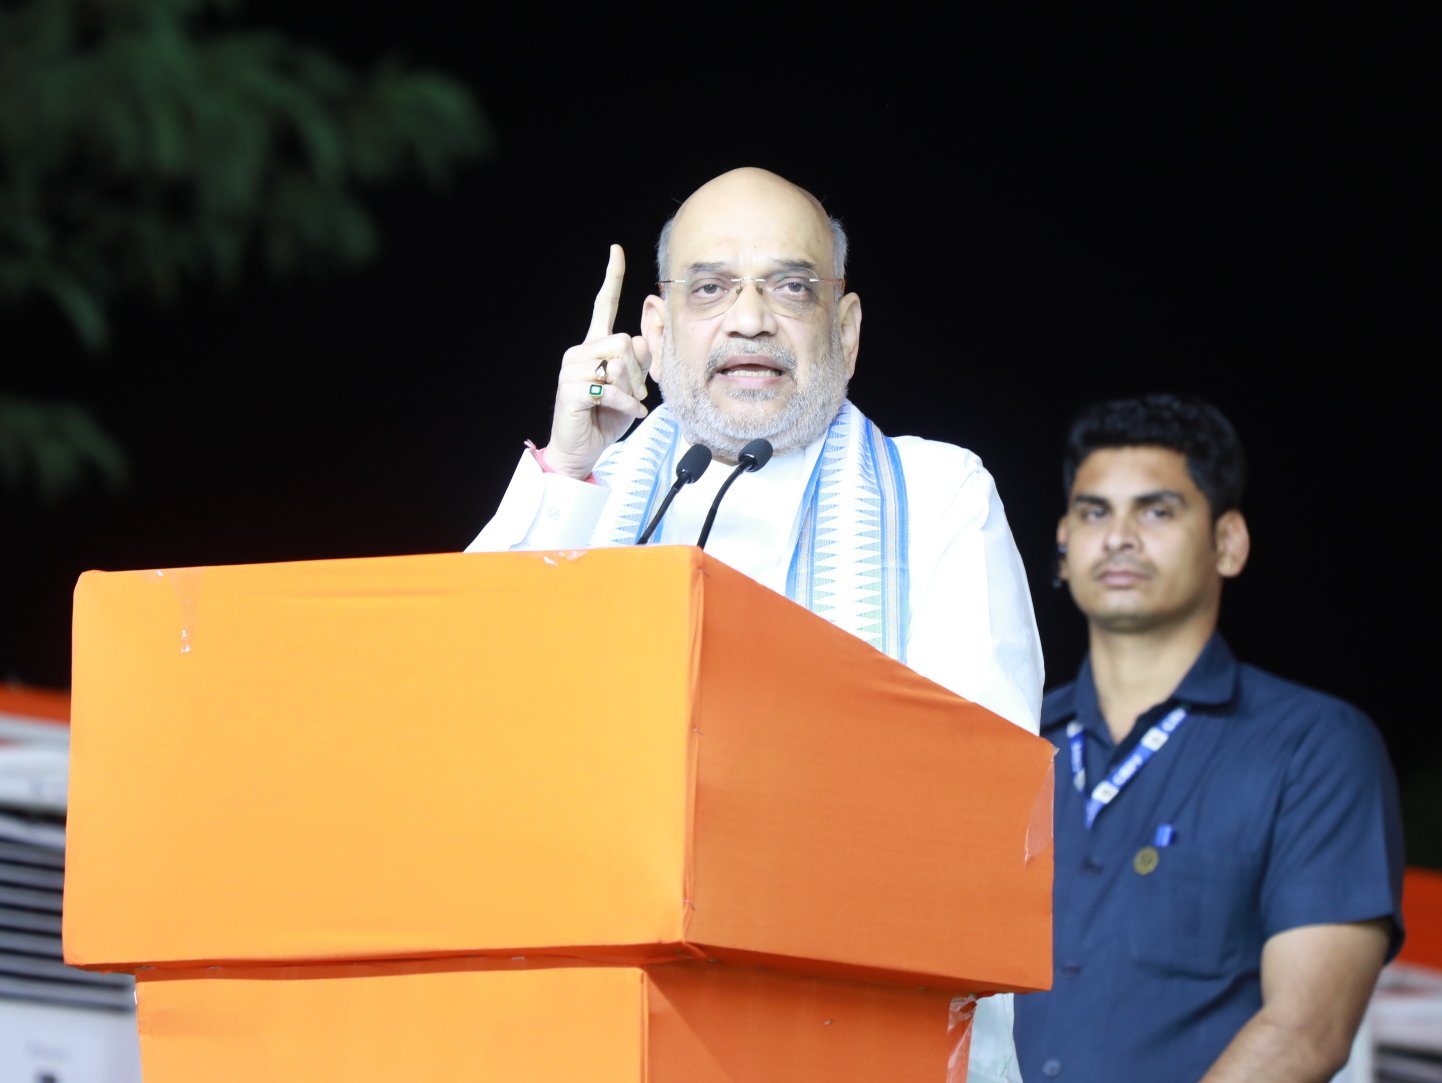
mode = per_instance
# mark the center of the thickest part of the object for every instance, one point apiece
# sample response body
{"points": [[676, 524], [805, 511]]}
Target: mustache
{"points": [[782, 358], [1116, 563]]}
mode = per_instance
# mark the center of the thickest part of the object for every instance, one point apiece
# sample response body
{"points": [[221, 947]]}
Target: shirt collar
{"points": [[1211, 682]]}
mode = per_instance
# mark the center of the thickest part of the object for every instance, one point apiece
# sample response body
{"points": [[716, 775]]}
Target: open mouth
{"points": [[751, 367]]}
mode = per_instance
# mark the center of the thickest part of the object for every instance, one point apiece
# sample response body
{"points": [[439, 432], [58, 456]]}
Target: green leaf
{"points": [[144, 149], [49, 448]]}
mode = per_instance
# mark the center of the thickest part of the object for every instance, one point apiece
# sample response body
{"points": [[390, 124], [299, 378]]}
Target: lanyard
{"points": [[1146, 748]]}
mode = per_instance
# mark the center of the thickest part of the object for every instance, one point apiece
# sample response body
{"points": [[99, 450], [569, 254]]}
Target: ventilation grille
{"points": [[32, 967]]}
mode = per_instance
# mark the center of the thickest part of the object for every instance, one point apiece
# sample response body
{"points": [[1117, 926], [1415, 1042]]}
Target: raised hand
{"points": [[601, 385]]}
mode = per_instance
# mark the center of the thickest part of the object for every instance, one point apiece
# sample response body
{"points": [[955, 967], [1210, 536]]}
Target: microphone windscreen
{"points": [[694, 463], [756, 454]]}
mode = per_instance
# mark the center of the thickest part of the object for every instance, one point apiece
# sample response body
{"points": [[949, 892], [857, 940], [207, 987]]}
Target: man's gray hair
{"points": [[838, 247]]}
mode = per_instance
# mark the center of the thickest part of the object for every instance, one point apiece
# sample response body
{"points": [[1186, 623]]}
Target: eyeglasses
{"points": [[790, 293]]}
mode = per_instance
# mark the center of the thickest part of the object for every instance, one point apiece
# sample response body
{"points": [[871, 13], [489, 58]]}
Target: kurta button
{"points": [[1051, 1067], [1070, 970], [1091, 866]]}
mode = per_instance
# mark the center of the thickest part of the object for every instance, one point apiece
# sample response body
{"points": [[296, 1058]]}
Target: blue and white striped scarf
{"points": [[850, 564]]}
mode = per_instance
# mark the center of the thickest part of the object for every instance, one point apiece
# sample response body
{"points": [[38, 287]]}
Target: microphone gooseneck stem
{"points": [[755, 455], [692, 465], [740, 469], [656, 519]]}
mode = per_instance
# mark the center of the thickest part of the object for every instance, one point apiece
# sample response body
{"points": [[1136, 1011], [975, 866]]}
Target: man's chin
{"points": [[748, 420], [1126, 621], [726, 423]]}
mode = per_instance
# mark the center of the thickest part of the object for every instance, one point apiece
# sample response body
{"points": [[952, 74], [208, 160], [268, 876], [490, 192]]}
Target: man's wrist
{"points": [[539, 454]]}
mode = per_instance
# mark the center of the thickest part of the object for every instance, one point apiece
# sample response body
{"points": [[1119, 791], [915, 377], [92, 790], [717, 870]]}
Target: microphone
{"points": [[753, 456], [692, 465]]}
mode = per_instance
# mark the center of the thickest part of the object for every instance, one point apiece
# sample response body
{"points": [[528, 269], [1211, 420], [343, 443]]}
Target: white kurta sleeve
{"points": [[541, 511], [973, 629], [993, 1049]]}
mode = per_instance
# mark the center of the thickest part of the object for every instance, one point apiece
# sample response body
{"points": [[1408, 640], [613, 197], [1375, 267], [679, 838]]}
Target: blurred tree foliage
{"points": [[150, 144]]}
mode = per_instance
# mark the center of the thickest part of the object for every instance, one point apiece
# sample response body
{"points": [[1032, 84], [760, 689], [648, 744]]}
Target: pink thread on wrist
{"points": [[539, 454]]}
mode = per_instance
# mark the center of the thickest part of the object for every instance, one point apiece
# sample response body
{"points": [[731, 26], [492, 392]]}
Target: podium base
{"points": [[524, 1023]]}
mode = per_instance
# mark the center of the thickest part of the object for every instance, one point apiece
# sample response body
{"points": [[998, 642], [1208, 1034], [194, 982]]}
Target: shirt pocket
{"points": [[1196, 908]]}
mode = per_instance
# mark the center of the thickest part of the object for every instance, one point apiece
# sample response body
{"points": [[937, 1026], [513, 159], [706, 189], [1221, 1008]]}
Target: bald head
{"points": [[754, 214]]}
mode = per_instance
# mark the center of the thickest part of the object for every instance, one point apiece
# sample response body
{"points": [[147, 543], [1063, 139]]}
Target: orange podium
{"points": [[501, 815]]}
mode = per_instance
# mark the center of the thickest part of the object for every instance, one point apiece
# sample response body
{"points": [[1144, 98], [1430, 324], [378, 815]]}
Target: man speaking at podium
{"points": [[752, 338]]}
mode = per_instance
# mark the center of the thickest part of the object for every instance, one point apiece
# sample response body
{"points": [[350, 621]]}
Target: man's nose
{"points": [[1121, 534], [750, 314]]}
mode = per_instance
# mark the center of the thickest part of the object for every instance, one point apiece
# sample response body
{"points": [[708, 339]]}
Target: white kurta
{"points": [[972, 628]]}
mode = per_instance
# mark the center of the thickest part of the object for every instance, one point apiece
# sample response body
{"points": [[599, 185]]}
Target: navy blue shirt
{"points": [[1280, 803]]}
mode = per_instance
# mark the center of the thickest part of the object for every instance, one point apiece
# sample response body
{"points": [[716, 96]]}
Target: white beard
{"points": [[802, 419]]}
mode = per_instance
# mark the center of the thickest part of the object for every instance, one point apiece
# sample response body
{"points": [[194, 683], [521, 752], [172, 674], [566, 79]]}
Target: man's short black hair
{"points": [[1183, 423]]}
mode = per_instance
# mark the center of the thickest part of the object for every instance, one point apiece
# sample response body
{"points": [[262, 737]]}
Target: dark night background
{"points": [[1043, 210]]}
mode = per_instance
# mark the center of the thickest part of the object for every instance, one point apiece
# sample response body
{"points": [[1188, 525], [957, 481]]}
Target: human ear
{"points": [[653, 330], [848, 320], [1233, 543]]}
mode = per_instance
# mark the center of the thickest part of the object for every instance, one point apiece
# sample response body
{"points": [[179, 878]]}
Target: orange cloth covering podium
{"points": [[610, 814]]}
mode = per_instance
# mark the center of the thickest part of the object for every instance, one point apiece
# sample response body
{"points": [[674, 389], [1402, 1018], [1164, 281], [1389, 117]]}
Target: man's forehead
{"points": [[1128, 473], [722, 244], [774, 225]]}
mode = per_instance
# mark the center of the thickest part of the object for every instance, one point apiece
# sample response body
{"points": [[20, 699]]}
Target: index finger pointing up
{"points": [[603, 315]]}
